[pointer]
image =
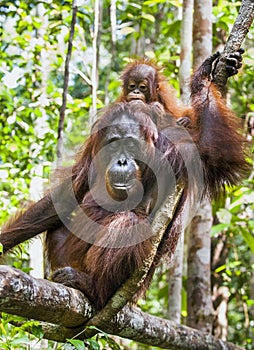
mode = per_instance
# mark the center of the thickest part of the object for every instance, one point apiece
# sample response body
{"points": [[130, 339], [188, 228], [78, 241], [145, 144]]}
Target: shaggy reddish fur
{"points": [[98, 268]]}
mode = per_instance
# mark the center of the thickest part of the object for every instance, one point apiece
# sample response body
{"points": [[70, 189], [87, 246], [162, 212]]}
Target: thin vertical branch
{"points": [[186, 50], [100, 15], [65, 86], [95, 60], [113, 27], [113, 48]]}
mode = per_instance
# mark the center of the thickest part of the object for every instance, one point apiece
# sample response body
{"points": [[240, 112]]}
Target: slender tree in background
{"points": [[113, 42], [186, 50], [65, 86], [175, 273], [199, 303], [220, 292], [252, 292], [36, 186], [113, 28], [202, 31], [94, 79]]}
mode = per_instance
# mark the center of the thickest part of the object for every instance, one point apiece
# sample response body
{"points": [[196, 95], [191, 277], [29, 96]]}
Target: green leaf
{"points": [[251, 224], [176, 3], [111, 342], [220, 268], [224, 216], [249, 239], [148, 17], [250, 302], [127, 30], [79, 344], [218, 228], [93, 343]]}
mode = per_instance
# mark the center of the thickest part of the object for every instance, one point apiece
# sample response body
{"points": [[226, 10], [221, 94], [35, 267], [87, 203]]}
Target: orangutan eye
{"points": [[131, 86], [113, 145], [130, 143], [143, 87]]}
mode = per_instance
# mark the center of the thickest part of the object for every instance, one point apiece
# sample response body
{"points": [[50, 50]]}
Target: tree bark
{"points": [[251, 309], [202, 31], [175, 284], [199, 305], [220, 293], [175, 273], [47, 301], [235, 40], [186, 50], [113, 22], [42, 300], [199, 302]]}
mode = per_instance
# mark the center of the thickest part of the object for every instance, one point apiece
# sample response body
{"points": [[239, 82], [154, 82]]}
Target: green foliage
{"points": [[236, 222], [16, 337], [99, 342], [156, 301]]}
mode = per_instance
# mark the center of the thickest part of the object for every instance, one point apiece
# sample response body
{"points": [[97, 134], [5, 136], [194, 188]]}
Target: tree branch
{"points": [[94, 78], [235, 40], [50, 302], [66, 82], [42, 300]]}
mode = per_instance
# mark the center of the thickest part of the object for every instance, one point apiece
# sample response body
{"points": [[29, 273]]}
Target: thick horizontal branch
{"points": [[50, 302], [39, 299], [134, 324]]}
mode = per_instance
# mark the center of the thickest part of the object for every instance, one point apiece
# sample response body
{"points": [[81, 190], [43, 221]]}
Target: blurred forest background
{"points": [[107, 34]]}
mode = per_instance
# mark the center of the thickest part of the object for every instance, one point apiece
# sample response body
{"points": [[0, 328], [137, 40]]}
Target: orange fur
{"points": [[98, 266]]}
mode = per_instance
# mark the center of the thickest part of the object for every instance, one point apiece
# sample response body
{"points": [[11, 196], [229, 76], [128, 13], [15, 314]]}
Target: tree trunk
{"points": [[186, 50], [220, 293], [199, 305], [35, 249], [175, 284], [202, 31], [175, 273], [113, 22], [252, 295]]}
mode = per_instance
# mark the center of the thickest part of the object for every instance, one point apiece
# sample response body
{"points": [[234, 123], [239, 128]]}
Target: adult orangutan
{"points": [[98, 219]]}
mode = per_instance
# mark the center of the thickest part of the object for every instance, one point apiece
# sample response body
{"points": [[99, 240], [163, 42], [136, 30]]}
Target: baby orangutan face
{"points": [[138, 90], [141, 83]]}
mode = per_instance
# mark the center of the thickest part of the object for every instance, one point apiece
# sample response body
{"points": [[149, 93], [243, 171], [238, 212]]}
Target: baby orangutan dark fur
{"points": [[143, 80], [98, 220]]}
